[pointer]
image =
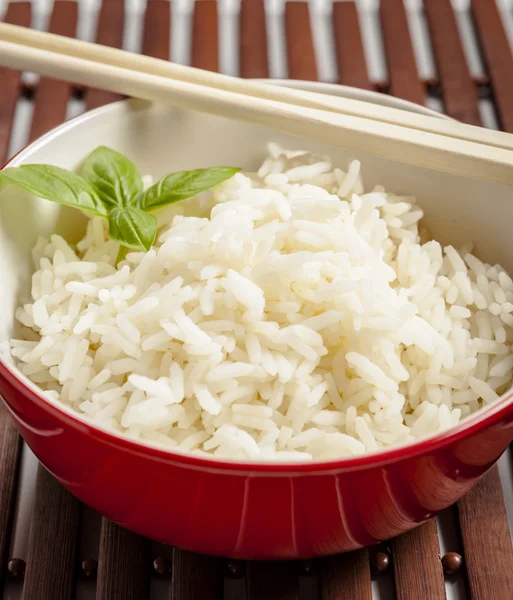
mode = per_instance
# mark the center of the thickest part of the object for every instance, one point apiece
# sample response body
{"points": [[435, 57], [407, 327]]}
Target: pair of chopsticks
{"points": [[395, 134]]}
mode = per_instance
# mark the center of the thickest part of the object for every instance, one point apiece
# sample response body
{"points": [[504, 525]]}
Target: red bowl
{"points": [[270, 511], [251, 510]]}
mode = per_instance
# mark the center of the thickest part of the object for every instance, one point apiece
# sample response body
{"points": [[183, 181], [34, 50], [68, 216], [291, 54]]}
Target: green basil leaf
{"points": [[182, 185], [114, 177], [56, 184], [132, 227]]}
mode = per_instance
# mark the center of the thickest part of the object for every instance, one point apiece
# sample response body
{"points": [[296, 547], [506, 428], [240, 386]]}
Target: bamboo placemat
{"points": [[127, 566]]}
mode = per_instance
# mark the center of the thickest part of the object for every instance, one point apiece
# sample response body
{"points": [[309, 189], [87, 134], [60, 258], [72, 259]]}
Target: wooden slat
{"points": [[417, 568], [254, 60], [52, 96], [486, 540], [53, 542], [10, 441], [488, 536], [196, 577], [124, 556], [497, 57], [56, 518], [352, 68], [17, 14], [300, 49], [346, 576], [124, 564], [10, 453], [205, 45], [157, 29], [272, 581], [458, 88], [109, 33], [402, 69], [483, 518]]}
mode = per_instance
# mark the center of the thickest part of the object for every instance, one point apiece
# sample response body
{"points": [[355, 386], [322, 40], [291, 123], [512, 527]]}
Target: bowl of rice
{"points": [[314, 356]]}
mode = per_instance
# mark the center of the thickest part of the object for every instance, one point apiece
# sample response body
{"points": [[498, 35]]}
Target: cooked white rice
{"points": [[289, 316]]}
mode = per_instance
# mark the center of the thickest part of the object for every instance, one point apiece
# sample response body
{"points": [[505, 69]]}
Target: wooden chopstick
{"points": [[379, 138], [162, 68]]}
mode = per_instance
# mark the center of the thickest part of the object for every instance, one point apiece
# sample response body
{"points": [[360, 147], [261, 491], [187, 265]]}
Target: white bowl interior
{"points": [[161, 139]]}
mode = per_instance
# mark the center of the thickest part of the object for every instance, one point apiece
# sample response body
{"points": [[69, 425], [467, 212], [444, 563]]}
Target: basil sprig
{"points": [[110, 186], [132, 227], [114, 177], [184, 184], [59, 185]]}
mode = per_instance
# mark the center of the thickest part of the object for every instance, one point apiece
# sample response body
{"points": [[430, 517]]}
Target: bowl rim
{"points": [[472, 425]]}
